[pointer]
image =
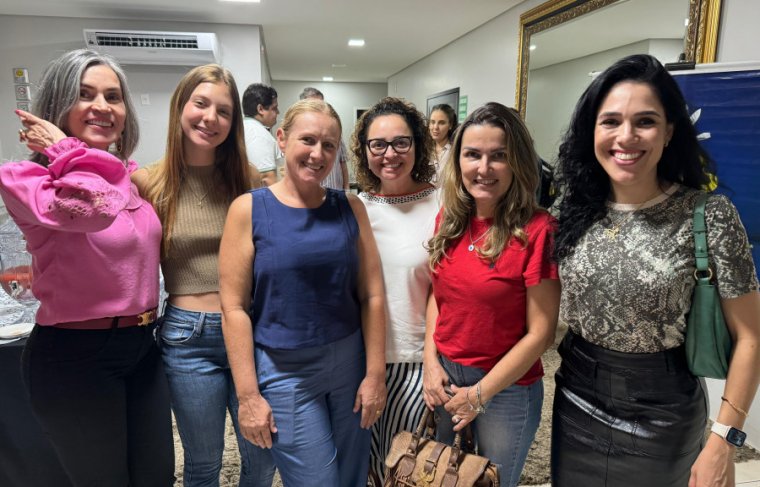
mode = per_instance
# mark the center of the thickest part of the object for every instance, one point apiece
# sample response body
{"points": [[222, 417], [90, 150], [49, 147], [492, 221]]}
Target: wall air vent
{"points": [[163, 48]]}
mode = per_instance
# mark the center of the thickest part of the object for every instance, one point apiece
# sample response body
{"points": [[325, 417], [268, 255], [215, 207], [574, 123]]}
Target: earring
{"points": [[119, 146]]}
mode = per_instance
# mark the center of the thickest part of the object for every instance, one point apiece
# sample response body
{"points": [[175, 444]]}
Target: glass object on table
{"points": [[16, 271]]}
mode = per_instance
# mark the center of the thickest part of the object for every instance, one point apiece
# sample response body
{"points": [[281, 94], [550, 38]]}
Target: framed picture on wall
{"points": [[448, 97]]}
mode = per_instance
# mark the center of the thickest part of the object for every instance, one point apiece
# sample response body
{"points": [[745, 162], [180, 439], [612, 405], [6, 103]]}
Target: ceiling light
{"points": [[339, 65], [356, 42], [327, 78], [242, 1], [532, 47]]}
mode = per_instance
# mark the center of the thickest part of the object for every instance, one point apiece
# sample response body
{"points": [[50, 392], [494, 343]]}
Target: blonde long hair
{"points": [[233, 173], [516, 206]]}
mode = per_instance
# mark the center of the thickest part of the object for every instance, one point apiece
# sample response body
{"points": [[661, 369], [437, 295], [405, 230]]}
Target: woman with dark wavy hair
{"points": [[392, 144], [495, 299], [627, 410]]}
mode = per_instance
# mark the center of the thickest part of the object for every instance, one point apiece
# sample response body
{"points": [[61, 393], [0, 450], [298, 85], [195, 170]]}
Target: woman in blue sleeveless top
{"points": [[304, 312]]}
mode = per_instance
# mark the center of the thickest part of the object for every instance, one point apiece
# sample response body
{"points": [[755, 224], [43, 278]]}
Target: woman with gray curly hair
{"points": [[91, 365], [392, 149]]}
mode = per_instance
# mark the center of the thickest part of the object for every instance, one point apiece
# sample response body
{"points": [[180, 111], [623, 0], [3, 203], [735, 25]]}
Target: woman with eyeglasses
{"points": [[495, 298], [392, 149], [308, 359]]}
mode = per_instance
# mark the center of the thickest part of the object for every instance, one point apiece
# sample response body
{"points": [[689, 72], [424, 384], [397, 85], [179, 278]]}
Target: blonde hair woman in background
{"points": [[205, 167], [309, 359]]}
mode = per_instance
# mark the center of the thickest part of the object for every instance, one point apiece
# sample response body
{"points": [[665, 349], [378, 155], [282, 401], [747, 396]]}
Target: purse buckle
{"points": [[426, 478]]}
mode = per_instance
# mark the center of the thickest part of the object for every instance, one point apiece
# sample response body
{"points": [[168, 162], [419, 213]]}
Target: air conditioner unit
{"points": [[146, 47]]}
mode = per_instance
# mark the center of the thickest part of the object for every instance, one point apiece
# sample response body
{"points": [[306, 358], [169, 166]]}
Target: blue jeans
{"points": [[319, 440], [505, 432], [201, 388]]}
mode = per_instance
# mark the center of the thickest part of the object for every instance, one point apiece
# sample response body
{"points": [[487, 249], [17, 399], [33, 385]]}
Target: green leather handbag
{"points": [[708, 342]]}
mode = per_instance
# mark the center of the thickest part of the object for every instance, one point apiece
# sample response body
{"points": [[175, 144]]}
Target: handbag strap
{"points": [[703, 273]]}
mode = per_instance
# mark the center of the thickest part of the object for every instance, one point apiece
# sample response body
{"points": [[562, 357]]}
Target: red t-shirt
{"points": [[482, 307]]}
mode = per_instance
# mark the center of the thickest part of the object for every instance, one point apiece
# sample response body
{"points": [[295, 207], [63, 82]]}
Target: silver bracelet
{"points": [[480, 409]]}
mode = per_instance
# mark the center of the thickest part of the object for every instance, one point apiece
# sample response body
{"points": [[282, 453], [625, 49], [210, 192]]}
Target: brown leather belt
{"points": [[143, 319]]}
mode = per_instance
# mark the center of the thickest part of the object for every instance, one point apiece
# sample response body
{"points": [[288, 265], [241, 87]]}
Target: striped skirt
{"points": [[403, 410]]}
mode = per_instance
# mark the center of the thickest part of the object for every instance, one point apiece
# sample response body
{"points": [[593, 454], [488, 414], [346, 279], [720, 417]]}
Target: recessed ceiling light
{"points": [[532, 47], [356, 42], [339, 65], [327, 78]]}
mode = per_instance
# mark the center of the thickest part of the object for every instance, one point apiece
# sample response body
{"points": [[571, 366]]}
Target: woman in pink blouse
{"points": [[91, 365]]}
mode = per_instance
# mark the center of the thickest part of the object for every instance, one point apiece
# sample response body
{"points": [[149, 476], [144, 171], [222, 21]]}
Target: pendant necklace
{"points": [[612, 232], [199, 199], [471, 247]]}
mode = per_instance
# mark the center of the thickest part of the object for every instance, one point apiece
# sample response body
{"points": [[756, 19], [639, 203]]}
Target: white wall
{"points": [[344, 97], [240, 52], [739, 37], [482, 63]]}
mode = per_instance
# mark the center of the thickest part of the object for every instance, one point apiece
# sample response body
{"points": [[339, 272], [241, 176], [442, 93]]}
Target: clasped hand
{"points": [[38, 134]]}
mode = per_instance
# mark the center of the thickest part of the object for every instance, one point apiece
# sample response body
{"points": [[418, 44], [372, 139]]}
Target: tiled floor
{"points": [[747, 474]]}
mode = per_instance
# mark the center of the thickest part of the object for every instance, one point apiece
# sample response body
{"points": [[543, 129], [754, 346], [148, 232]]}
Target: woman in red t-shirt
{"points": [[495, 291]]}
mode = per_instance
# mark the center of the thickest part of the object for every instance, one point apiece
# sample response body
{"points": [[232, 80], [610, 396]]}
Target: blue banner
{"points": [[725, 108]]}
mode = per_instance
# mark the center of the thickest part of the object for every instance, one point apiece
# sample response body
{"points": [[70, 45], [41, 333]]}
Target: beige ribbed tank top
{"points": [[191, 267]]}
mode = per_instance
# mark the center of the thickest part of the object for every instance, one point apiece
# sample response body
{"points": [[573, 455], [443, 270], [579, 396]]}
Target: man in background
{"points": [[260, 110], [338, 177]]}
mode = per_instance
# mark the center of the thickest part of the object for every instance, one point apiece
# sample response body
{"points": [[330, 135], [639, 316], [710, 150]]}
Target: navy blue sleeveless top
{"points": [[305, 272]]}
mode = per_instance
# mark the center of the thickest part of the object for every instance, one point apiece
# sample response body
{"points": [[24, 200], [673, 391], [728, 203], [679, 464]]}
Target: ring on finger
{"points": [[21, 135], [456, 418], [379, 412]]}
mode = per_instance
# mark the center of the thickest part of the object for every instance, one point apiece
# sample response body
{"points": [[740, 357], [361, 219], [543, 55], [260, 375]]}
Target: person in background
{"points": [[392, 149], [442, 124], [91, 365], [304, 312], [627, 410], [191, 188], [338, 177], [496, 292], [260, 110]]}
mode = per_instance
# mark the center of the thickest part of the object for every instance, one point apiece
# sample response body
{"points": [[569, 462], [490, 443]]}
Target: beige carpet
{"points": [[536, 469]]}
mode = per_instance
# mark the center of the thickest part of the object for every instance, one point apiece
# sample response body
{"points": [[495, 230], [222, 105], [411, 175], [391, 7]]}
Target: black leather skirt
{"points": [[625, 419]]}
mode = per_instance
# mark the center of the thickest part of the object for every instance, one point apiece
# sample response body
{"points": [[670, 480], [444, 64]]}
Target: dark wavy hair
{"points": [[584, 185], [423, 170], [451, 115]]}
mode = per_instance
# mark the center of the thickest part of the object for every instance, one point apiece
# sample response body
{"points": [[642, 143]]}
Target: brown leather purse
{"points": [[417, 460]]}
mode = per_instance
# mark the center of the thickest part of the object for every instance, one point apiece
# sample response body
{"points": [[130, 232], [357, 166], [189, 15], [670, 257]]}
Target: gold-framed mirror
{"points": [[699, 38]]}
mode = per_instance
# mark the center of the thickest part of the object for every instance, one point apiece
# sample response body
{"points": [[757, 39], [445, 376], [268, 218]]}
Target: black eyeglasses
{"points": [[379, 147]]}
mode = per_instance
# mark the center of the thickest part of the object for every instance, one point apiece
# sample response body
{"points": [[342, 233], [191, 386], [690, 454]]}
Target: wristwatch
{"points": [[732, 435]]}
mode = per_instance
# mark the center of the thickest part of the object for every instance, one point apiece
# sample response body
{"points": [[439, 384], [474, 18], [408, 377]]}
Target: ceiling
{"points": [[305, 38]]}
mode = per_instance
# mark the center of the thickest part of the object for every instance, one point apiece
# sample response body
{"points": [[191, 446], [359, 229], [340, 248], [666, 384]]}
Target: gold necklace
{"points": [[612, 232], [199, 199]]}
